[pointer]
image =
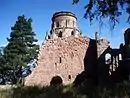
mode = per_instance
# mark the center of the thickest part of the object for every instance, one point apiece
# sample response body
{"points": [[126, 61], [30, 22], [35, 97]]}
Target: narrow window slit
{"points": [[69, 77], [60, 59]]}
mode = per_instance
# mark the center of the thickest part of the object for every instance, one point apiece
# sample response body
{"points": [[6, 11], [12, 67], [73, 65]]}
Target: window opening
{"points": [[120, 57], [69, 77], [108, 58], [66, 23], [60, 34], [60, 59], [57, 24], [72, 33]]}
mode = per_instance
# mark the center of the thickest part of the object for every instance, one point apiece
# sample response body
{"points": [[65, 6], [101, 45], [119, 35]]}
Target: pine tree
{"points": [[21, 48], [1, 66], [3, 69]]}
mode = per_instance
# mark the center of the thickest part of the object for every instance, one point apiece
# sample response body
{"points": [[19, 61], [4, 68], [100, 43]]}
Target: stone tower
{"points": [[64, 24], [65, 54], [62, 54]]}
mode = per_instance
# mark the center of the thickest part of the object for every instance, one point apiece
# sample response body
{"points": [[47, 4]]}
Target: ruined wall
{"points": [[63, 57], [66, 53], [103, 48]]}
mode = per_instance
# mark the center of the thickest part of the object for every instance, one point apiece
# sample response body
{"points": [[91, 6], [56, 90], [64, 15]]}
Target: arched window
{"points": [[56, 80], [60, 34], [69, 77], [72, 33], [108, 58], [120, 57], [57, 24]]}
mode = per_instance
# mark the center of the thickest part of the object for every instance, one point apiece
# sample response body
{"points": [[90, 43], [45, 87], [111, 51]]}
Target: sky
{"points": [[41, 12]]}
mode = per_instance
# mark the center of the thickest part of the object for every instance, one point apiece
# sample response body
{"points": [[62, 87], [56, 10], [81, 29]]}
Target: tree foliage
{"points": [[111, 9], [21, 48]]}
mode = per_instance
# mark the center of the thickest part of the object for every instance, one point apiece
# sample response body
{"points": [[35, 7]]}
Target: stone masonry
{"points": [[64, 24], [63, 52], [63, 57]]}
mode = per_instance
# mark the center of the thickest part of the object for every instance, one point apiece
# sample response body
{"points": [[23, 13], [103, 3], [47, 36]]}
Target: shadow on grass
{"points": [[121, 90], [43, 92]]}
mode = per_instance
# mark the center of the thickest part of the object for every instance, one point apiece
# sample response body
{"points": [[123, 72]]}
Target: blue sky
{"points": [[41, 12]]}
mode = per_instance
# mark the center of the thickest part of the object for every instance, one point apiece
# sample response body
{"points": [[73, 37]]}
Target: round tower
{"points": [[64, 24]]}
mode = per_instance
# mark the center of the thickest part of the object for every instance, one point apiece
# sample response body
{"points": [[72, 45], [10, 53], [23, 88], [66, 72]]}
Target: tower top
{"points": [[63, 13], [64, 24]]}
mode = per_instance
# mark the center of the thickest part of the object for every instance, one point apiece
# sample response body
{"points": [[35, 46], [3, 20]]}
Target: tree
{"points": [[21, 48], [110, 9], [1, 50], [1, 65]]}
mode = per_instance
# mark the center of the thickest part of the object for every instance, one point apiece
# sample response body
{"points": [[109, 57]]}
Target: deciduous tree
{"points": [[111, 9]]}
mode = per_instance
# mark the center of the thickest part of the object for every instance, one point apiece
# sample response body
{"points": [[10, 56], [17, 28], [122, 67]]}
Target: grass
{"points": [[121, 90]]}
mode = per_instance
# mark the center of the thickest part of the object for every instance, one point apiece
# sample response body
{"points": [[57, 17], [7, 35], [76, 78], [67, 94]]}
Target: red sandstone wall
{"points": [[62, 57]]}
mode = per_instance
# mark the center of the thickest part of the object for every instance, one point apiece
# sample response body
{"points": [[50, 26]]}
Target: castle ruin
{"points": [[66, 54]]}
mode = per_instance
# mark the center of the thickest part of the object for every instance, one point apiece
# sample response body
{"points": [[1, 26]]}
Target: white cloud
{"points": [[3, 45]]}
